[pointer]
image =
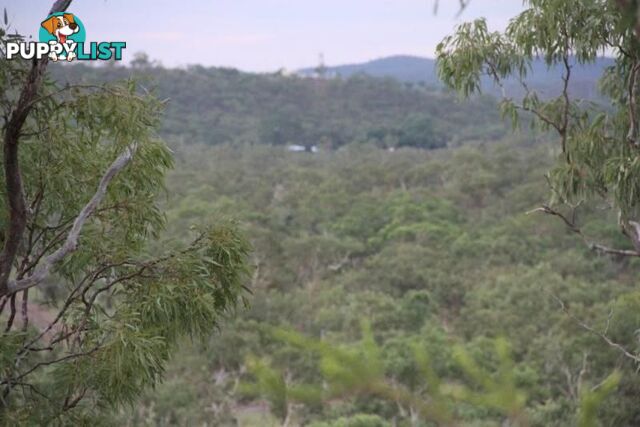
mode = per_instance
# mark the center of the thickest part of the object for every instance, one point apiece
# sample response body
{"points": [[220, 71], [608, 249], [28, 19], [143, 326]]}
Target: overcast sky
{"points": [[265, 35]]}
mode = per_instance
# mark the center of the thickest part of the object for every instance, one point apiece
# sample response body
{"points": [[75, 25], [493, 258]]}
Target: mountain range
{"points": [[418, 70]]}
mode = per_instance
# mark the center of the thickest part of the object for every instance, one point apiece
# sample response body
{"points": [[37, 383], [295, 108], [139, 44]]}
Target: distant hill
{"points": [[412, 69], [216, 105], [417, 70]]}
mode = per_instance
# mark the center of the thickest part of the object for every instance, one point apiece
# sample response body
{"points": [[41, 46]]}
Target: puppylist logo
{"points": [[62, 37]]}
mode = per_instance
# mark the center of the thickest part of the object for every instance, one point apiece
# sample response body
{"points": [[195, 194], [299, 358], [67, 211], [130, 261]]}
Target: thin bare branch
{"points": [[632, 136], [60, 6], [597, 247], [463, 6], [12, 313], [566, 77], [547, 210], [25, 309], [43, 269], [603, 336], [612, 251], [12, 381]]}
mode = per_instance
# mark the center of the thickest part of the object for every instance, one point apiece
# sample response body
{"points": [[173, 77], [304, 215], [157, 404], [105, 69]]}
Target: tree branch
{"points": [[574, 228], [603, 336], [566, 77], [463, 6], [632, 136], [12, 381], [43, 268], [13, 175]]}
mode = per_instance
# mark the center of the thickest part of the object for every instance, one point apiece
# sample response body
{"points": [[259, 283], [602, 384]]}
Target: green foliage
{"points": [[359, 370], [435, 250], [591, 400], [271, 385], [500, 393], [360, 420], [112, 313], [216, 106], [598, 144]]}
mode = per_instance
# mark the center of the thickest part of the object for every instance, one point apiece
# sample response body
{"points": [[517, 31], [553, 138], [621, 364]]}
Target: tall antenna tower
{"points": [[321, 69]]}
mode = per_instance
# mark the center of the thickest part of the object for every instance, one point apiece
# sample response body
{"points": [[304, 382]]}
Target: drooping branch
{"points": [[463, 6], [82, 288], [539, 114], [569, 223], [597, 247], [601, 335], [632, 136], [43, 269], [10, 382], [13, 175], [60, 6], [566, 101]]}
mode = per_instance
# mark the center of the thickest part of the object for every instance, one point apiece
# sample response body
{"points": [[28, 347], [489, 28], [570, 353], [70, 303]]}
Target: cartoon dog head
{"points": [[61, 26]]}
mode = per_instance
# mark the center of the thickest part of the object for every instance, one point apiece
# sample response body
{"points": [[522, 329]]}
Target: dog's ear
{"points": [[50, 24], [69, 17]]}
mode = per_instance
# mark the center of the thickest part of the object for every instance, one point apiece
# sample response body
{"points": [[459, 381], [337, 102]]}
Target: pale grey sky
{"points": [[265, 35]]}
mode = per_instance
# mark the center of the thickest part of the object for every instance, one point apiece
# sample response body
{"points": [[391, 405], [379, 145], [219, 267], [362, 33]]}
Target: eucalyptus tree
{"points": [[598, 144], [92, 300]]}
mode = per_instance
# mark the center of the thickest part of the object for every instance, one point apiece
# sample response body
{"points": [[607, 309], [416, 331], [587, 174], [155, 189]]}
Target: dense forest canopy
{"points": [[215, 106], [433, 249]]}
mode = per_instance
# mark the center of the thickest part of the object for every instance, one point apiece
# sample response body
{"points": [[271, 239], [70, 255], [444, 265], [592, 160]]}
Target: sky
{"points": [[267, 35]]}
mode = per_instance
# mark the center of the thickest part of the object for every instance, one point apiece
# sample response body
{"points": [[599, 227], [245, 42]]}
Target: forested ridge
{"points": [[216, 105], [424, 71]]}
